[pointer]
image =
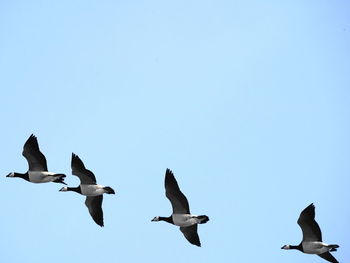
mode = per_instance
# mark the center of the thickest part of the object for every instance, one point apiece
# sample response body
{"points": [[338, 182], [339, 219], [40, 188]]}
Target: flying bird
{"points": [[181, 215], [312, 237], [88, 187], [37, 172]]}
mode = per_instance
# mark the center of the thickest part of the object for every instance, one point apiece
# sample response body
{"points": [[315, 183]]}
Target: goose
{"points": [[88, 187], [181, 215], [312, 237], [37, 172]]}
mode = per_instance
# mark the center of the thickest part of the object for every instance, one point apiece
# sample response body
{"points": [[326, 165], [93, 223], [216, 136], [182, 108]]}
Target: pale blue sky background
{"points": [[246, 101]]}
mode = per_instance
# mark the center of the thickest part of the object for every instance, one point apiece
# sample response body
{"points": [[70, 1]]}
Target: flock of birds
{"points": [[181, 216]]}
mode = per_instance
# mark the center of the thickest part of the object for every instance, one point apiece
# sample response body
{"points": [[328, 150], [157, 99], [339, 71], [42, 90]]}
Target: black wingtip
{"points": [[101, 224], [197, 244], [74, 158], [77, 162], [98, 220], [169, 172], [308, 212], [169, 177], [32, 139], [311, 206]]}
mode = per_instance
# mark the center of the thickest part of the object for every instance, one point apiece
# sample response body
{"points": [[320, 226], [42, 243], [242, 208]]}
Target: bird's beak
{"points": [[8, 175], [153, 220]]}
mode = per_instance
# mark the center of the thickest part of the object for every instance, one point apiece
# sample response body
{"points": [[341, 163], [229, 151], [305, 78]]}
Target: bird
{"points": [[88, 187], [181, 215], [37, 172], [312, 237]]}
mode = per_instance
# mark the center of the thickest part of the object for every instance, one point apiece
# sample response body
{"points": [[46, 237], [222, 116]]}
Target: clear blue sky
{"points": [[246, 101]]}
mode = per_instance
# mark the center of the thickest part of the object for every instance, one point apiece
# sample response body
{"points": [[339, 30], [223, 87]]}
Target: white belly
{"points": [[40, 177], [184, 219], [315, 247], [91, 189]]}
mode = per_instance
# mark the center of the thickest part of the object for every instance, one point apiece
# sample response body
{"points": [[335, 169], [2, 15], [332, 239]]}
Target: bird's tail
{"points": [[333, 247], [109, 190], [202, 219], [59, 178]]}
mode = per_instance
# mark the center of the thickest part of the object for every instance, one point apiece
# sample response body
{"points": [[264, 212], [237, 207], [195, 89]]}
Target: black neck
{"points": [[167, 219], [298, 247], [24, 176], [74, 189]]}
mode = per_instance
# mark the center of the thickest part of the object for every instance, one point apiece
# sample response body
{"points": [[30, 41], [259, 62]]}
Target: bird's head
{"points": [[11, 175], [156, 219], [64, 189], [286, 247]]}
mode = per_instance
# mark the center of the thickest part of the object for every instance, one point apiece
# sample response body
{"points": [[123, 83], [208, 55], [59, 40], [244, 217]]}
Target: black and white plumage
{"points": [[181, 215], [88, 187], [312, 237], [37, 172], [78, 169]]}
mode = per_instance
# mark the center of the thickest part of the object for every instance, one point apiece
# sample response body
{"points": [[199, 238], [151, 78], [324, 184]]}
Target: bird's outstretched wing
{"points": [[190, 233], [310, 228], [94, 204], [172, 191], [329, 257], [36, 160], [78, 169]]}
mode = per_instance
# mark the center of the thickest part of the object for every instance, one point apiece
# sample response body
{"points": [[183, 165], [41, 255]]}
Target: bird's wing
{"points": [[172, 191], [329, 257], [94, 204], [36, 160], [190, 233], [310, 228], [78, 169]]}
